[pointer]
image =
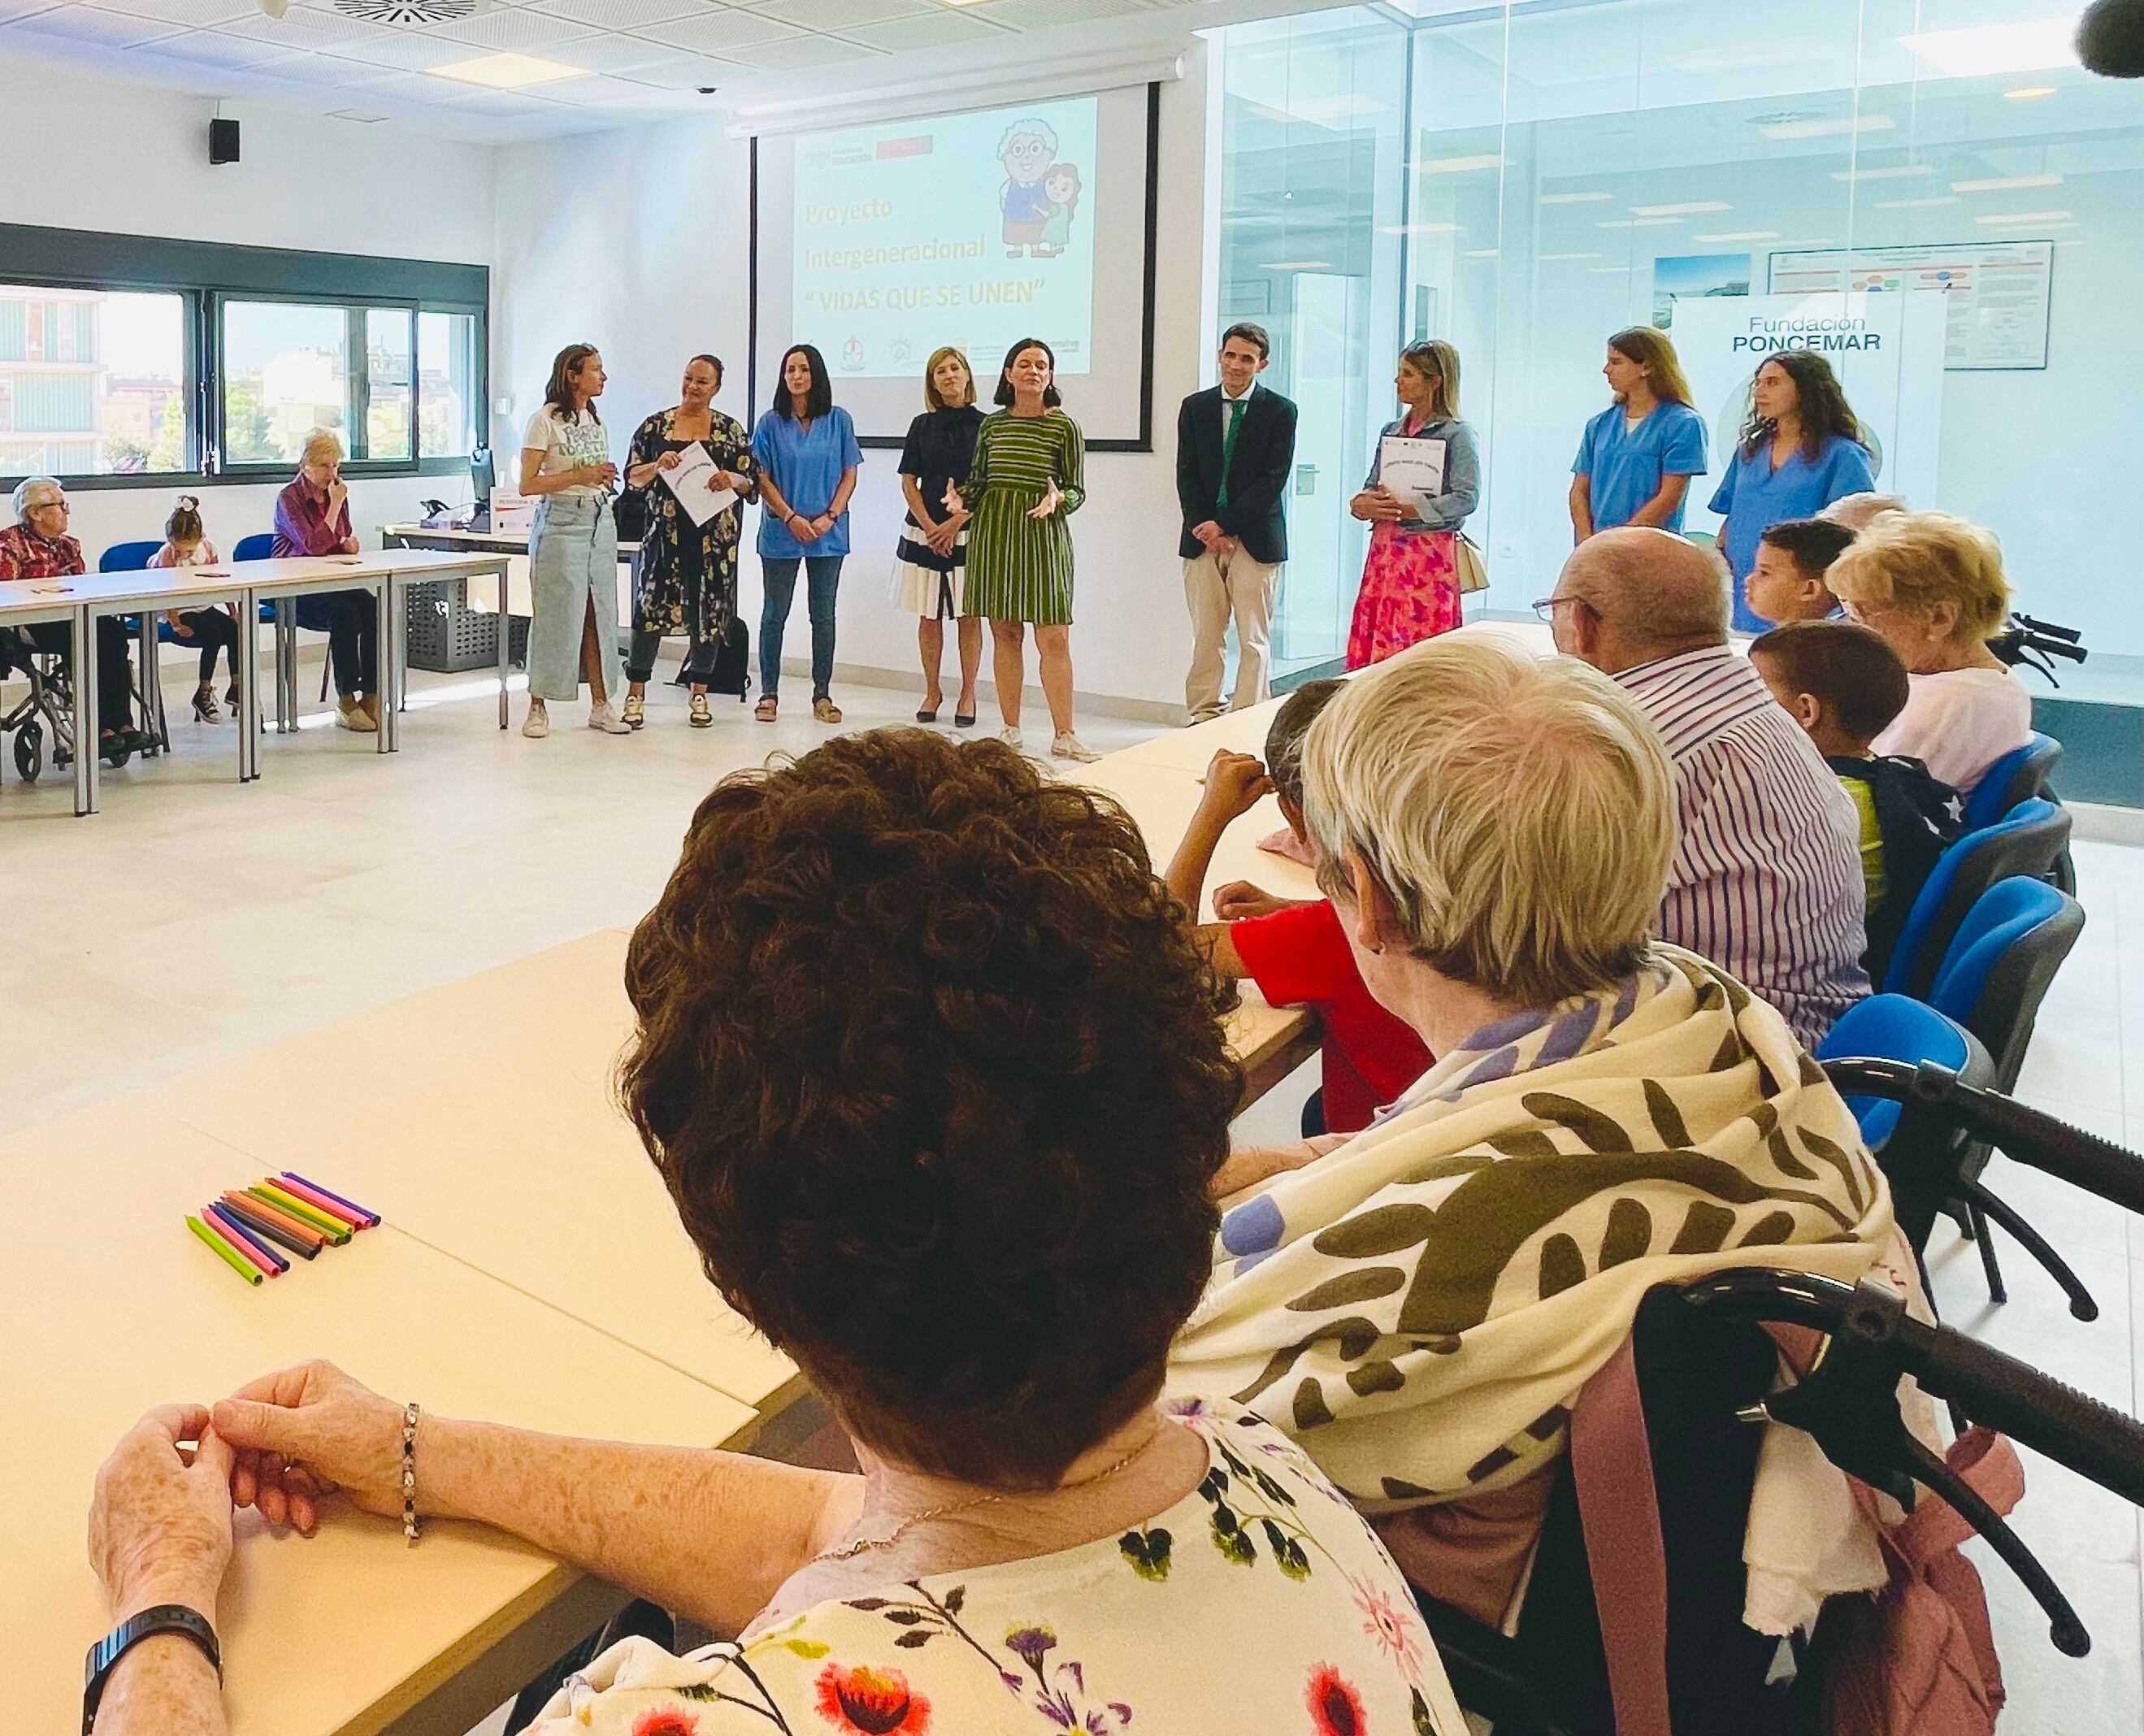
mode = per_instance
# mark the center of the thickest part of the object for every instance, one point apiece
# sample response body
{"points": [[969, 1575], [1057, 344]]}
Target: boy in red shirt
{"points": [[1297, 954]]}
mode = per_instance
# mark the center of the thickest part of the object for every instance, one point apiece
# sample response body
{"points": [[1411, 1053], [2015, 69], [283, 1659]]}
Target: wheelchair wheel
{"points": [[30, 751]]}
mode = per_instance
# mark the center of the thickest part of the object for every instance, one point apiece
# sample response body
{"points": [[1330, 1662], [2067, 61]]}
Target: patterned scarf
{"points": [[1420, 1306]]}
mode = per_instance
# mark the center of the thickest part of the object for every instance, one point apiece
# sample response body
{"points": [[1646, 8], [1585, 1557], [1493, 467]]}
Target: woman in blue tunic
{"points": [[1800, 451], [1637, 457]]}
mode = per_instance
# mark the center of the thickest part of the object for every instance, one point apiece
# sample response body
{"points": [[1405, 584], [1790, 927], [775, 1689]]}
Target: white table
{"points": [[81, 598]]}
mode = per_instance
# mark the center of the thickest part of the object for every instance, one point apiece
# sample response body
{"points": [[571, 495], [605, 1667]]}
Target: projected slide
{"points": [[974, 230]]}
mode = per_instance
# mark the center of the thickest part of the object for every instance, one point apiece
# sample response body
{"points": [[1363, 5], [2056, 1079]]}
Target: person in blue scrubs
{"points": [[1636, 458], [806, 451], [1800, 451]]}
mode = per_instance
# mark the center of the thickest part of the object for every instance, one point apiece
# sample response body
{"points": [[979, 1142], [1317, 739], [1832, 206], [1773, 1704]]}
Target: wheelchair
{"points": [[43, 718]]}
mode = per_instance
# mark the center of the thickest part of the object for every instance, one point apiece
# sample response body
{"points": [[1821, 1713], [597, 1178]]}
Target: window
{"points": [[286, 372], [447, 397], [92, 383], [387, 386], [126, 355]]}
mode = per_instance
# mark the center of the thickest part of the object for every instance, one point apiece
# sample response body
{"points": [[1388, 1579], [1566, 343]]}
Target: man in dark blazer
{"points": [[1235, 450]]}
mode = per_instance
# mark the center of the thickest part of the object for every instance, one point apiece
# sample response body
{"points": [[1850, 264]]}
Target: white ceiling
{"points": [[641, 59]]}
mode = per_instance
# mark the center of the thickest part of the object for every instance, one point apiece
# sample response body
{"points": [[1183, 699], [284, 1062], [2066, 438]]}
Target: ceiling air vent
{"points": [[407, 12]]}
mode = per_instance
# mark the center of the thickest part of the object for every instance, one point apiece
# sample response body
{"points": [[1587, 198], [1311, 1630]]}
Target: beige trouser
{"points": [[1217, 589]]}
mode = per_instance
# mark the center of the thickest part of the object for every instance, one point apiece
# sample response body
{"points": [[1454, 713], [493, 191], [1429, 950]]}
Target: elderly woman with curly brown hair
{"points": [[935, 1077]]}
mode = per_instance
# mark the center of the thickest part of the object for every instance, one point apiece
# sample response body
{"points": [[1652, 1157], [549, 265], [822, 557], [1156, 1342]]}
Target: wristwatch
{"points": [[160, 1619]]}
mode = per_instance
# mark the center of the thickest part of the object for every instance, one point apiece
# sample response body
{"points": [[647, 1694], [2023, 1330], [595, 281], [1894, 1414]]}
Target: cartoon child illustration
{"points": [[1061, 186], [1027, 150]]}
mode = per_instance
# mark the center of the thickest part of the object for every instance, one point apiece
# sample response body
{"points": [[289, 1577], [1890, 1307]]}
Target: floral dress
{"points": [[687, 576], [1411, 577], [1260, 1605]]}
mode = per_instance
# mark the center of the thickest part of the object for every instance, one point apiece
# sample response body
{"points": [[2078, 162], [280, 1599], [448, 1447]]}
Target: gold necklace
{"points": [[856, 1546]]}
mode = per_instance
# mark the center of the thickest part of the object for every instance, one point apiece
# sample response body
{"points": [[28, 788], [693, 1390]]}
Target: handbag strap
{"points": [[1611, 1466]]}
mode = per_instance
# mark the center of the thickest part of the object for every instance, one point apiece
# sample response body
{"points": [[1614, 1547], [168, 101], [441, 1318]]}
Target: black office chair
{"points": [[2028, 840]]}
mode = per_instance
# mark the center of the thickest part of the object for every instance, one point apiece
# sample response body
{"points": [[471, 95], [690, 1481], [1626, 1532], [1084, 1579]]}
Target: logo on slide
{"points": [[1027, 151], [852, 354]]}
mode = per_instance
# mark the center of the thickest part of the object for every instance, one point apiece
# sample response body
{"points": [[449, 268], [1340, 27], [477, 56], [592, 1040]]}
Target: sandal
{"points": [[764, 711], [824, 710], [699, 716]]}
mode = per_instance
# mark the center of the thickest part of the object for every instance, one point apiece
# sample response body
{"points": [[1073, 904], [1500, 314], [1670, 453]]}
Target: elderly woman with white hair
{"points": [[1419, 1305], [312, 517], [37, 545]]}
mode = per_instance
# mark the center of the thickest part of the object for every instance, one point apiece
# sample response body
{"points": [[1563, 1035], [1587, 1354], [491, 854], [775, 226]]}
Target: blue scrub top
{"points": [[1626, 469], [806, 465], [1752, 497]]}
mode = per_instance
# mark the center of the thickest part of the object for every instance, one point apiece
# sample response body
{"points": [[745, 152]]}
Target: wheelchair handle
{"points": [[2072, 1428], [2028, 1135]]}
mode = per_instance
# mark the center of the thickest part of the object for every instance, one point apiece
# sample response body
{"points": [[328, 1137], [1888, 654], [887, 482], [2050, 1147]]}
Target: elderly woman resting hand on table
{"points": [[1420, 1306], [937, 1081]]}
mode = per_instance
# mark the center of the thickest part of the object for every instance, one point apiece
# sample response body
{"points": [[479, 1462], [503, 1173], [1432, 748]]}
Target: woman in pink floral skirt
{"points": [[1411, 580]]}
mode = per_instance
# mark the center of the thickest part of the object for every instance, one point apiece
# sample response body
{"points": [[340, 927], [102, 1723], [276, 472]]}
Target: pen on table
{"points": [[226, 1223], [356, 1217], [301, 1240], [225, 1251], [366, 1212], [326, 1222]]}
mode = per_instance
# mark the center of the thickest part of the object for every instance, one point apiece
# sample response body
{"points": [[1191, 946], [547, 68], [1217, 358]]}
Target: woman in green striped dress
{"points": [[1029, 475]]}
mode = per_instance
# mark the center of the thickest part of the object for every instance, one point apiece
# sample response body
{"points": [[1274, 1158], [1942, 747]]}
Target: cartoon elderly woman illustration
{"points": [[1027, 150]]}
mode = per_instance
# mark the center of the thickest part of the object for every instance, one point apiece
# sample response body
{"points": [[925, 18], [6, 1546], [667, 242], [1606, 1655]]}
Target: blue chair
{"points": [[260, 546], [1995, 974], [2026, 842], [2019, 776], [149, 693]]}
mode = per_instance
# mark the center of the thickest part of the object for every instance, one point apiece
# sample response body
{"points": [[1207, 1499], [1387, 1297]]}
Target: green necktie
{"points": [[1228, 445]]}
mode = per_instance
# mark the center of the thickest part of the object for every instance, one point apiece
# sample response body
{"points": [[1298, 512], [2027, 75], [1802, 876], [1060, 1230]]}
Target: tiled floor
{"points": [[193, 920]]}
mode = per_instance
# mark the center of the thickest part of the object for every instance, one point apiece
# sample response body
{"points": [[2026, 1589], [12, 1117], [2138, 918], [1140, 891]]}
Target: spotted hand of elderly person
{"points": [[305, 1433], [160, 1519]]}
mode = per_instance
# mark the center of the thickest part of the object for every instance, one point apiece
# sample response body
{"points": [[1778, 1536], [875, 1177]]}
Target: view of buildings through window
{"points": [[92, 382]]}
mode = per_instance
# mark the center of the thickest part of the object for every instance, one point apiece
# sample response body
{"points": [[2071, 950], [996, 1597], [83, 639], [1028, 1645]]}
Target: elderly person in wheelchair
{"points": [[37, 546], [1422, 1304]]}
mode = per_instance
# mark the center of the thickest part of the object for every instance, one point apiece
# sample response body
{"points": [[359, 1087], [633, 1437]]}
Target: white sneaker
{"points": [[603, 718], [1011, 737], [538, 723], [1069, 746]]}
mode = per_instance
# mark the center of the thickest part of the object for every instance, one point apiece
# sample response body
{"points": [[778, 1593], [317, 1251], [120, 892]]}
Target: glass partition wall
{"points": [[1525, 179]]}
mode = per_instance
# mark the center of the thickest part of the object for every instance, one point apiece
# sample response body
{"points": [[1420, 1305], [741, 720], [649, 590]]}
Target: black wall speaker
{"points": [[223, 142]]}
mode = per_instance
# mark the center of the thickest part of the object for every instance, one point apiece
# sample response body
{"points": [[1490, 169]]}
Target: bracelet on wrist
{"points": [[409, 1470]]}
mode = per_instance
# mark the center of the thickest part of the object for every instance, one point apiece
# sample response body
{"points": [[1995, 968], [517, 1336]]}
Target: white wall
{"points": [[637, 242], [135, 161]]}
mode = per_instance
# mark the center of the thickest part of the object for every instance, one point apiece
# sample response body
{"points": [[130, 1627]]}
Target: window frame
{"points": [[206, 276]]}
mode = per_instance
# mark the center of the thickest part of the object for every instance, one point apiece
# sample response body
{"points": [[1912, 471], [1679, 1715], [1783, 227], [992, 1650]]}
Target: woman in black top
{"points": [[928, 580], [686, 577]]}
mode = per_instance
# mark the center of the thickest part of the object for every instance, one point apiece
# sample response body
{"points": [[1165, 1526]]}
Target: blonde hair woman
{"points": [[1636, 458], [1934, 588], [1420, 1306], [930, 577], [1410, 588], [312, 517]]}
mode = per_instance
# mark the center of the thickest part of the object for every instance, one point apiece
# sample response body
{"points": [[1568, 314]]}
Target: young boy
{"points": [[1787, 583], [1297, 954], [1844, 685]]}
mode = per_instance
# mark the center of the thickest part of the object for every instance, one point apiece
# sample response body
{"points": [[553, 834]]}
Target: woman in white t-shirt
{"points": [[573, 550], [1933, 586]]}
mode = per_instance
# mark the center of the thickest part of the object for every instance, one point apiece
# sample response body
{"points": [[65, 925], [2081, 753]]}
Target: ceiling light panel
{"points": [[2006, 183], [1576, 198], [1826, 128], [1692, 208], [2026, 45], [1896, 171], [508, 72]]}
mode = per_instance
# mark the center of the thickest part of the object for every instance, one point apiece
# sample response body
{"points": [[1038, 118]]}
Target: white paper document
{"points": [[692, 480], [1414, 469]]}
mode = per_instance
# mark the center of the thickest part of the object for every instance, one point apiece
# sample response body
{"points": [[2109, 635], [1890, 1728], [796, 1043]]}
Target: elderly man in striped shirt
{"points": [[1766, 880]]}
